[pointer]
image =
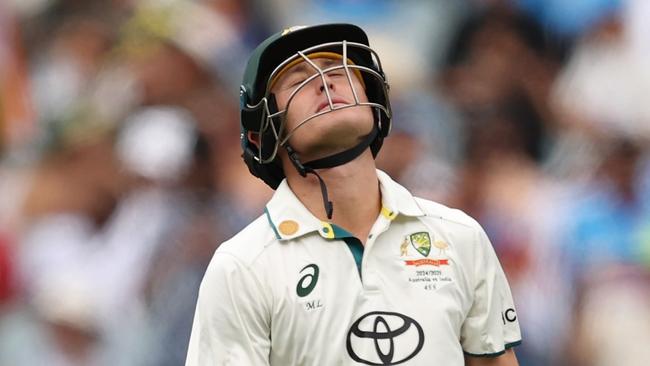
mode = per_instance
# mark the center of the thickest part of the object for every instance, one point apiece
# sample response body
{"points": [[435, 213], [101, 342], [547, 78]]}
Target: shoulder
{"points": [[457, 229], [233, 265], [452, 216], [249, 244]]}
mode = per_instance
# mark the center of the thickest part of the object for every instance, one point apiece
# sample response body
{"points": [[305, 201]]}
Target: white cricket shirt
{"points": [[292, 290]]}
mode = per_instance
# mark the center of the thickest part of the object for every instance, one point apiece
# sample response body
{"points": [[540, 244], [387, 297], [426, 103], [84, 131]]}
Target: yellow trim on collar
{"points": [[311, 56], [327, 230], [387, 213]]}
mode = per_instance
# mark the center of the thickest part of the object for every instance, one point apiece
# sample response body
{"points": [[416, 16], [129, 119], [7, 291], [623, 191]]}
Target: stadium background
{"points": [[120, 169]]}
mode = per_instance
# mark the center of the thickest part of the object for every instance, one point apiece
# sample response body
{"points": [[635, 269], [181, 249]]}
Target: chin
{"points": [[322, 142], [337, 130], [349, 120]]}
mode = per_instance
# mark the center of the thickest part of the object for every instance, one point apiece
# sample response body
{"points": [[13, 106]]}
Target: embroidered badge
{"points": [[288, 227], [420, 274], [421, 242]]}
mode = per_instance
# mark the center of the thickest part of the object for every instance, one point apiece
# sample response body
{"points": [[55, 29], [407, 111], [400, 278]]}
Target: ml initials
{"points": [[312, 305]]}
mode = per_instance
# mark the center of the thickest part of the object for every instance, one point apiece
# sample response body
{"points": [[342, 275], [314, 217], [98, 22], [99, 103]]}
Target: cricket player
{"points": [[345, 266]]}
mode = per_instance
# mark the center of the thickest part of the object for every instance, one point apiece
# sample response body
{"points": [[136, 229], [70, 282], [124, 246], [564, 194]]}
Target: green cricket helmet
{"points": [[259, 111]]}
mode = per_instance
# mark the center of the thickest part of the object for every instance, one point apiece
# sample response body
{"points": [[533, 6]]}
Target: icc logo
{"points": [[384, 338]]}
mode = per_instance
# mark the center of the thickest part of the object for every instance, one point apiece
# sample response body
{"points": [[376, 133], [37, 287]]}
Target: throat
{"points": [[353, 188]]}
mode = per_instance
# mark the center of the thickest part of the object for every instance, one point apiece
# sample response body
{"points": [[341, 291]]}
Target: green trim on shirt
{"points": [[357, 251], [497, 354], [355, 245], [268, 216], [341, 233]]}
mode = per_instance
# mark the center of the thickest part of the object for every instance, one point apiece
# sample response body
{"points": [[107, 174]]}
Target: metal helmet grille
{"points": [[277, 130]]}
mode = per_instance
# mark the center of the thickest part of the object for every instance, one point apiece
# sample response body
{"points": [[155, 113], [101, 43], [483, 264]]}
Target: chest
{"points": [[405, 288]]}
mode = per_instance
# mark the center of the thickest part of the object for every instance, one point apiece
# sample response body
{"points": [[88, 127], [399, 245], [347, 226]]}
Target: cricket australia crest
{"points": [[421, 242]]}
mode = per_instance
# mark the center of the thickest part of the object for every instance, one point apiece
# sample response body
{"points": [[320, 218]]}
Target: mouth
{"points": [[335, 103]]}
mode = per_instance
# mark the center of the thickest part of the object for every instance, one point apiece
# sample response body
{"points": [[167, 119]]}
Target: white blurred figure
{"points": [[637, 28], [155, 145], [63, 72], [606, 82], [60, 328], [612, 326]]}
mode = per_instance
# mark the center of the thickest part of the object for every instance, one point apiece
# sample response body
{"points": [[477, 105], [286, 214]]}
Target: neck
{"points": [[353, 189]]}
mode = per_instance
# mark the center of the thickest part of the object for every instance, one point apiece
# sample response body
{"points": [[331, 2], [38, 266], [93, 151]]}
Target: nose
{"points": [[327, 81]]}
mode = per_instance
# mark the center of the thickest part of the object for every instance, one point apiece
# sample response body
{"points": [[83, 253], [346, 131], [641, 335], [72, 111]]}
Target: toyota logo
{"points": [[384, 338]]}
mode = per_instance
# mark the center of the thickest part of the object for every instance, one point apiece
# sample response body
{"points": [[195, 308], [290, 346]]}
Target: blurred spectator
{"points": [[612, 322], [73, 194], [57, 334], [63, 69], [605, 83], [500, 61], [173, 282], [425, 145], [609, 214]]}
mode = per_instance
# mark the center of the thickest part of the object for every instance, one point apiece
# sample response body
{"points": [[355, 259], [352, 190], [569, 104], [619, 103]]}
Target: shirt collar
{"points": [[290, 219], [395, 199]]}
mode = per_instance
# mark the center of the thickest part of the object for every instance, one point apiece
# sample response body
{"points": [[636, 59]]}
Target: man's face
{"points": [[333, 131]]}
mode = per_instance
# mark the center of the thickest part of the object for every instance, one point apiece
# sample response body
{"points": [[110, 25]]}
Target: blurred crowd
{"points": [[120, 168]]}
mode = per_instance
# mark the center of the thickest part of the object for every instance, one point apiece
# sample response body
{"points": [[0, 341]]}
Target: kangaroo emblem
{"points": [[404, 247]]}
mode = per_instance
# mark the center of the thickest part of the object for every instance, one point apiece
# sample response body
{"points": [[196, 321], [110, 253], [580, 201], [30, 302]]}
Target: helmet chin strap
{"points": [[329, 162]]}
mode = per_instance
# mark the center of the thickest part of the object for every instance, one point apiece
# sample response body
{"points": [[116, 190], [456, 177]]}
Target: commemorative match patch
{"points": [[427, 260], [422, 243]]}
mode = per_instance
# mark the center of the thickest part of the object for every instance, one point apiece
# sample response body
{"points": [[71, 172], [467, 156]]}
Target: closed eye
{"points": [[295, 79], [296, 82], [336, 73]]}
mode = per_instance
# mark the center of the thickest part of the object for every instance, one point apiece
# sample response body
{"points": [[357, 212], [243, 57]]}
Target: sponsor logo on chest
{"points": [[306, 284], [383, 338]]}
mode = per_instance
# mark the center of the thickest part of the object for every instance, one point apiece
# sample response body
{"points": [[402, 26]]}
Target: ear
{"points": [[254, 138]]}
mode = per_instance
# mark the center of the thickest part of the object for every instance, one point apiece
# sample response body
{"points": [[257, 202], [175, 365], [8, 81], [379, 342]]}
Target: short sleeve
{"points": [[491, 326], [231, 321]]}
